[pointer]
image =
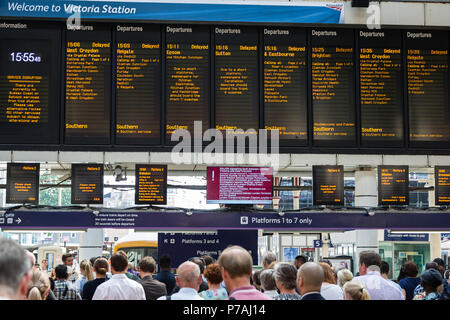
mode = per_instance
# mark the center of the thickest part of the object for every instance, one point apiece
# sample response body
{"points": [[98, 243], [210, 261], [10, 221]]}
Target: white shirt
{"points": [[331, 291], [119, 287], [184, 294], [379, 288]]}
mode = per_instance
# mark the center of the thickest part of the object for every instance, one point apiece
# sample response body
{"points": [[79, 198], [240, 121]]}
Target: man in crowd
{"points": [[236, 266], [130, 275], [385, 271], [299, 261], [188, 279], [153, 288], [165, 275], [268, 259], [64, 290], [67, 260], [370, 276], [203, 285], [309, 281], [15, 271], [119, 287]]}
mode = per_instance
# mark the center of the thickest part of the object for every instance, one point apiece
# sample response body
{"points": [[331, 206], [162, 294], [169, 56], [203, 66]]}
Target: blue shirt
{"points": [[409, 284]]}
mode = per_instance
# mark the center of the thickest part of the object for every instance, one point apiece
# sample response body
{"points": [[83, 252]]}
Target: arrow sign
{"points": [[18, 220]]}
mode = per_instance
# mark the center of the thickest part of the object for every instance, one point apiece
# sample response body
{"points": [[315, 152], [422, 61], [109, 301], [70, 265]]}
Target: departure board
{"points": [[88, 85], [328, 185], [151, 184], [285, 86], [428, 88], [333, 88], [393, 185], [29, 78], [22, 183], [236, 78], [442, 185], [138, 84], [87, 183], [380, 88], [187, 78]]}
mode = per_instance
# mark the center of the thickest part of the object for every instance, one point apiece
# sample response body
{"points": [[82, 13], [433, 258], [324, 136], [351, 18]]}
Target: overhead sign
{"points": [[239, 185], [151, 184], [442, 185], [389, 236], [87, 183], [317, 243], [393, 185], [22, 183], [328, 185], [182, 246]]}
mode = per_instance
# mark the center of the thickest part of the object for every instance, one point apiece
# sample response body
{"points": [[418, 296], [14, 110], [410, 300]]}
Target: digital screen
{"points": [[428, 85], [88, 86], [380, 88], [29, 77], [442, 185], [239, 185], [22, 183], [87, 183], [328, 185], [187, 78], [333, 88], [393, 185], [138, 84], [285, 86], [151, 184], [236, 78]]}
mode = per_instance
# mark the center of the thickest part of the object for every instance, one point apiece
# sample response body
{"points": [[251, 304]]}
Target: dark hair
{"points": [[147, 264], [165, 261], [65, 256], [431, 265], [301, 259], [257, 277], [213, 274], [384, 268], [118, 262], [411, 269], [200, 262], [123, 254], [92, 260], [61, 271], [101, 266], [439, 261], [207, 259], [369, 258]]}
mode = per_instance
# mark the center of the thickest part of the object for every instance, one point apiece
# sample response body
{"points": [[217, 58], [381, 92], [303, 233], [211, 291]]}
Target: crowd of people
{"points": [[231, 277]]}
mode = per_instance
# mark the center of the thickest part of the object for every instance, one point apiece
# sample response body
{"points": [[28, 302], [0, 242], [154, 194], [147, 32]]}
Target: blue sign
{"points": [[445, 236], [289, 254], [314, 12], [106, 239], [182, 246], [388, 236], [317, 243]]}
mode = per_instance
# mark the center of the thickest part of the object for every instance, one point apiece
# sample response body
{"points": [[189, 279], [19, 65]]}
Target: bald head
{"points": [[188, 275], [236, 261], [310, 277]]}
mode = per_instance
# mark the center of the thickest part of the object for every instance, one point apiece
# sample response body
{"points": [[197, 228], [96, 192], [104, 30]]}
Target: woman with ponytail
{"points": [[39, 286], [86, 275], [354, 290]]}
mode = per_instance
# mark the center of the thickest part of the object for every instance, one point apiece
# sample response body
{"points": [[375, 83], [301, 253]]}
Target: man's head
{"points": [[299, 261], [67, 259], [441, 265], [268, 259], [384, 268], [15, 271], [236, 265], [431, 265], [119, 264], [61, 272], [198, 261], [189, 275], [309, 278], [411, 269], [147, 266], [367, 259], [208, 260], [165, 262], [44, 264]]}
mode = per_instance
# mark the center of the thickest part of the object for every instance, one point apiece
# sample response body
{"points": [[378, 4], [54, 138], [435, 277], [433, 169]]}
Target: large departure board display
{"points": [[151, 184], [29, 77], [187, 78], [442, 185], [236, 78], [138, 84], [88, 85], [87, 183], [380, 88], [333, 88], [428, 88], [328, 185], [393, 185], [22, 183], [285, 84]]}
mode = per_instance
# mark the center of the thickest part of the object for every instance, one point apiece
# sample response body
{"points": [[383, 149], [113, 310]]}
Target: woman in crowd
{"points": [[86, 275], [410, 281], [101, 268], [39, 286], [344, 276], [213, 278], [268, 283], [431, 280], [286, 281], [329, 290], [354, 290]]}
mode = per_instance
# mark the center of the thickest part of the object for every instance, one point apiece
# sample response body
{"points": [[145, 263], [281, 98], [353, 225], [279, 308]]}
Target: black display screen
{"points": [[393, 185], [88, 85], [442, 185], [285, 84], [187, 78], [151, 184], [22, 183], [380, 88], [29, 83], [138, 84], [333, 88], [328, 185], [87, 183], [236, 78], [428, 88]]}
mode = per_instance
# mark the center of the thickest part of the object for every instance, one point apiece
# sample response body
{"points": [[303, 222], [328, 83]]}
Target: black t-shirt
{"points": [[90, 287]]}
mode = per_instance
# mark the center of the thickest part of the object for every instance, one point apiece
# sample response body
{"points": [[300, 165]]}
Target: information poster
{"points": [[151, 184], [328, 185], [442, 185], [22, 183], [87, 183], [393, 185]]}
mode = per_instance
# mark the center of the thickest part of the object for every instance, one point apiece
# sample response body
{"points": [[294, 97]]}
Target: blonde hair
{"points": [[344, 276], [356, 291], [38, 286], [328, 273], [85, 265]]}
